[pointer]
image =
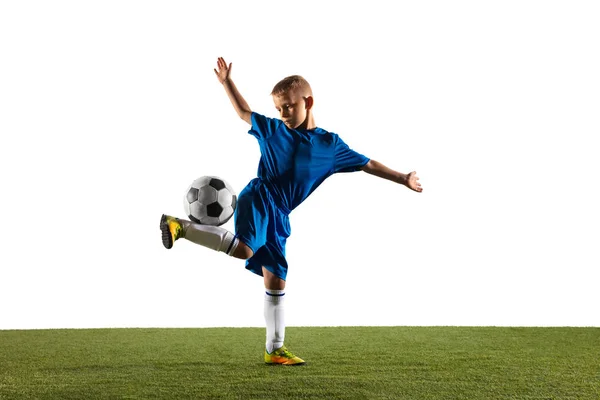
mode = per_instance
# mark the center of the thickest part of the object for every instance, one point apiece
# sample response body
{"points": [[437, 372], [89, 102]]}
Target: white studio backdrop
{"points": [[110, 109]]}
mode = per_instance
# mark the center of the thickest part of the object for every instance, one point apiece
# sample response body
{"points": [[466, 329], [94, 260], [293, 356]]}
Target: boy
{"points": [[296, 157]]}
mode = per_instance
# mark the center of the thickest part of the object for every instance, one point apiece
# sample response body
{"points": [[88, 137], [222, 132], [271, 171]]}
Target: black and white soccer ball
{"points": [[209, 200]]}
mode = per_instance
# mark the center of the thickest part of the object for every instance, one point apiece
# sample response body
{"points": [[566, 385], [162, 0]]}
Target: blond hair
{"points": [[290, 83]]}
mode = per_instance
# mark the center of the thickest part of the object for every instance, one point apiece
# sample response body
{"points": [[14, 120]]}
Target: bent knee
{"points": [[243, 251], [272, 281]]}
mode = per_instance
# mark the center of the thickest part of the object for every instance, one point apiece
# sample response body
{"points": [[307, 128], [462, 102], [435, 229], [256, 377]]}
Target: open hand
{"points": [[223, 70], [412, 182]]}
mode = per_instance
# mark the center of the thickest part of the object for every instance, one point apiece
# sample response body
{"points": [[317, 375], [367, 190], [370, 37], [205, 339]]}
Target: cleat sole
{"points": [[287, 365], [167, 239]]}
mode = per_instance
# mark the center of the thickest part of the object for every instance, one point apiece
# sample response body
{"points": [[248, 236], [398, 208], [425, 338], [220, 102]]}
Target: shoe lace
{"points": [[177, 228], [286, 353]]}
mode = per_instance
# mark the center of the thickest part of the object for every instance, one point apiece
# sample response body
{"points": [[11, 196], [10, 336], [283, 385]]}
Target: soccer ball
{"points": [[209, 200]]}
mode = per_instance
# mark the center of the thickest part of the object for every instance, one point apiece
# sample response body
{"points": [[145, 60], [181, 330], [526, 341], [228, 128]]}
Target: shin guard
{"points": [[213, 237]]}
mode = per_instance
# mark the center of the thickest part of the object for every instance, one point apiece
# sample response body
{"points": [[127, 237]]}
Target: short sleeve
{"points": [[346, 159], [263, 127]]}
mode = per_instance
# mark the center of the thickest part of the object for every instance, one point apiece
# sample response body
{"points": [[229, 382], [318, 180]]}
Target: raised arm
{"points": [[410, 180], [239, 104]]}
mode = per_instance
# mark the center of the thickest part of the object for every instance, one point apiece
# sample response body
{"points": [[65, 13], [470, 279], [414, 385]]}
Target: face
{"points": [[292, 108]]}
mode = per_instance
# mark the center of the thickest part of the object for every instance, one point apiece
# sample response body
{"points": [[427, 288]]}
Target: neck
{"points": [[309, 122]]}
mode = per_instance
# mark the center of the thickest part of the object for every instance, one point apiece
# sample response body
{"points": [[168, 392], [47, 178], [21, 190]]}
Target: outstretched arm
{"points": [[239, 104], [410, 180]]}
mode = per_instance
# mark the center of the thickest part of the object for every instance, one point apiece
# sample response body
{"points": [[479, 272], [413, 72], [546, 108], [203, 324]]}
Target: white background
{"points": [[108, 110]]}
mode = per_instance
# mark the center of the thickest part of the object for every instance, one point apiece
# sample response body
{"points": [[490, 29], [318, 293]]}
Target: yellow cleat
{"points": [[283, 356], [171, 230]]}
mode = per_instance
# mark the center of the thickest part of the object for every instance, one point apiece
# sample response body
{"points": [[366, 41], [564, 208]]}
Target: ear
{"points": [[308, 102]]}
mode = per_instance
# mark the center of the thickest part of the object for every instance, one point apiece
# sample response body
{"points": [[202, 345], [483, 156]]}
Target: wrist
{"points": [[402, 179]]}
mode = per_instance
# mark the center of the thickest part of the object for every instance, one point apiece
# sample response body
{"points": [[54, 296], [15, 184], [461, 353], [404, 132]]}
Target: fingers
{"points": [[221, 63], [222, 67], [414, 182]]}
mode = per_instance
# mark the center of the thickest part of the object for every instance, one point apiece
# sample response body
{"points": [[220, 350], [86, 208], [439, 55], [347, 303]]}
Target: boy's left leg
{"points": [[275, 351], [274, 310]]}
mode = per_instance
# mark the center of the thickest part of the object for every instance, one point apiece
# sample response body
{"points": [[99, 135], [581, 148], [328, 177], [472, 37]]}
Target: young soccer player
{"points": [[296, 157]]}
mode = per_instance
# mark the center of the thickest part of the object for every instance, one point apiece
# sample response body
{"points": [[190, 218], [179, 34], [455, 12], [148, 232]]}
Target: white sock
{"points": [[274, 317], [213, 237]]}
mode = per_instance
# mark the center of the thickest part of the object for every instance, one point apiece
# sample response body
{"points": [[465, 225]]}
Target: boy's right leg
{"points": [[213, 237]]}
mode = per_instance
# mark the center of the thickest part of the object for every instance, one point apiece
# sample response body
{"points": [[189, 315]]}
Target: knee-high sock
{"points": [[274, 317], [213, 237]]}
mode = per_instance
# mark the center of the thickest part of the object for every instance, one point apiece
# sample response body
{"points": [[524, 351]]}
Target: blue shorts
{"points": [[263, 227]]}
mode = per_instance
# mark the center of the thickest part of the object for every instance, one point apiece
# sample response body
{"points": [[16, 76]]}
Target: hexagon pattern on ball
{"points": [[209, 200]]}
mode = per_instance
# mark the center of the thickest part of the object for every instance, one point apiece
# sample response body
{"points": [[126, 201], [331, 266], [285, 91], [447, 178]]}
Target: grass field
{"points": [[342, 363]]}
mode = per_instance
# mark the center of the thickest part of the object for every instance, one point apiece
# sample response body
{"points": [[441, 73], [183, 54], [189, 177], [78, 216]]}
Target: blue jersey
{"points": [[294, 162], [292, 165]]}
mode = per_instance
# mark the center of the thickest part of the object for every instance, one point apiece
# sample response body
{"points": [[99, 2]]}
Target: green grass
{"points": [[343, 363]]}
